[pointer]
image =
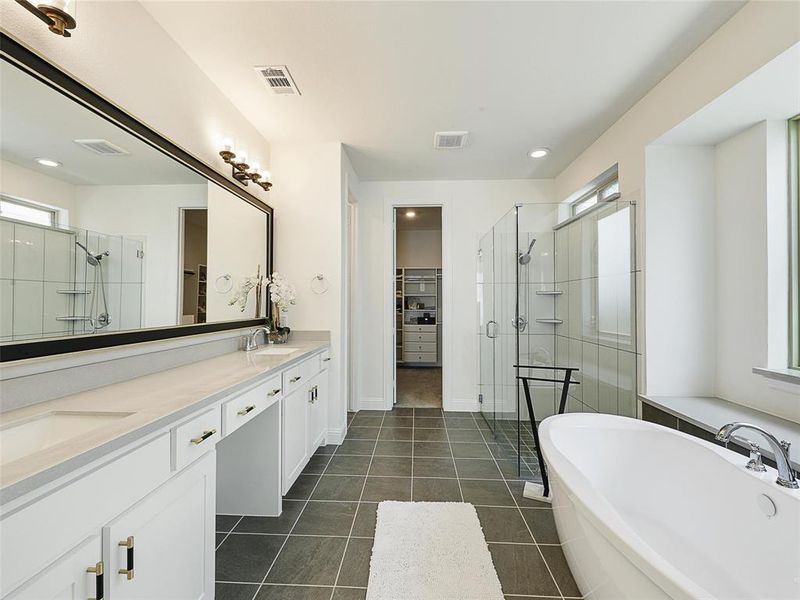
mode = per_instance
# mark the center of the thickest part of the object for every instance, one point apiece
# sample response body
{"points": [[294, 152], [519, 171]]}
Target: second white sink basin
{"points": [[277, 350], [18, 440]]}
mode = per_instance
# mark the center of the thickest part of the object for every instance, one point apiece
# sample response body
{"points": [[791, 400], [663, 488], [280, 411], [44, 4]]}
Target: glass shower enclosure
{"points": [[555, 290]]}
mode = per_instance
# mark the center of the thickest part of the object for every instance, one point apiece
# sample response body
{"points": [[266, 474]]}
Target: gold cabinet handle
{"points": [[295, 379], [274, 392], [128, 543], [98, 571], [246, 410], [204, 437]]}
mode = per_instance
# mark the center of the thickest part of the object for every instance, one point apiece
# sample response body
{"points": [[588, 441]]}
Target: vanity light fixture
{"points": [[47, 162], [58, 15], [539, 152], [240, 170]]}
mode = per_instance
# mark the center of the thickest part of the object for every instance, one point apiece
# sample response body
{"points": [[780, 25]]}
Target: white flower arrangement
{"points": [[282, 293]]}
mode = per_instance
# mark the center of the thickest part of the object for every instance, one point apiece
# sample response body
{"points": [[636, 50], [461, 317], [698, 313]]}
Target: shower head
{"points": [[92, 259], [524, 259]]}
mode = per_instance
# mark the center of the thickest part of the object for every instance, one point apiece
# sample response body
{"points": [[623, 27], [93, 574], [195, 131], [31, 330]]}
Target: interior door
{"points": [[163, 547], [487, 328]]}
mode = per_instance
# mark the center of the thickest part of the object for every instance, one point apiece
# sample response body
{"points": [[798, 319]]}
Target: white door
{"points": [[68, 578], [317, 411], [163, 547], [295, 429]]}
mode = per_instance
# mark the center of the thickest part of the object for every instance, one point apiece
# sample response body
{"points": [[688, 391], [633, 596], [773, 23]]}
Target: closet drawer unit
{"points": [[419, 357], [417, 347], [419, 328], [324, 360], [195, 437], [239, 410], [419, 337]]}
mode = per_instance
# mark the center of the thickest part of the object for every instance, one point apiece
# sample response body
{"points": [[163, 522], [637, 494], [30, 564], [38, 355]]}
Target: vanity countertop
{"points": [[155, 401]]}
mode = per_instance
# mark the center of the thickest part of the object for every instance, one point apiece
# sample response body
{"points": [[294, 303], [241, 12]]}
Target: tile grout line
{"points": [[452, 457], [522, 516], [235, 525], [358, 508], [413, 442]]}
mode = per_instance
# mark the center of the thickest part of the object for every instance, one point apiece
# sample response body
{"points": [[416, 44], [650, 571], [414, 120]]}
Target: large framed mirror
{"points": [[109, 233]]}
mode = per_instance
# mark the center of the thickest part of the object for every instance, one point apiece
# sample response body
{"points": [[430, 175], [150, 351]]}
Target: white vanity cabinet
{"points": [[69, 578], [304, 414], [163, 546]]}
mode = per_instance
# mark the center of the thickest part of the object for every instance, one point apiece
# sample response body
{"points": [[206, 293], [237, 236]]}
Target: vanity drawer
{"points": [[239, 410], [194, 438], [416, 347], [419, 329], [298, 375], [324, 360], [419, 337], [419, 357]]}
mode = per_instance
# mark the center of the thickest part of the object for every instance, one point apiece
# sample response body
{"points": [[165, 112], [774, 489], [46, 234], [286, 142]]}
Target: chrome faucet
{"points": [[780, 449], [251, 342]]}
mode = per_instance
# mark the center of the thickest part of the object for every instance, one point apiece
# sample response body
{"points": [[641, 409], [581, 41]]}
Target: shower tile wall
{"points": [[595, 271], [36, 263]]}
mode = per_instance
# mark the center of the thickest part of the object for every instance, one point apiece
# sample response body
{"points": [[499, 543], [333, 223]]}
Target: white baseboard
{"points": [[335, 436], [372, 404], [461, 405]]}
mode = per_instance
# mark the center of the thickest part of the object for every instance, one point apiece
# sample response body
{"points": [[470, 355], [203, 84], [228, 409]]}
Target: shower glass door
{"points": [[487, 328]]}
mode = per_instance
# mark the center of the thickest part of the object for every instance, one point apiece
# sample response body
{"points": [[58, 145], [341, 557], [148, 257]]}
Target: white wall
{"points": [[474, 207], [419, 248], [679, 276], [161, 85], [150, 213], [27, 184], [743, 284], [308, 241], [237, 246]]}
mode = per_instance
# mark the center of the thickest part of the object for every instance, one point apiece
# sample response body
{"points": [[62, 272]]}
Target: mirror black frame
{"points": [[20, 56]]}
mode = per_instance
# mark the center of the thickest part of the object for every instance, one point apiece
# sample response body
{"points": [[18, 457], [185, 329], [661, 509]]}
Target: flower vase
{"points": [[277, 334]]}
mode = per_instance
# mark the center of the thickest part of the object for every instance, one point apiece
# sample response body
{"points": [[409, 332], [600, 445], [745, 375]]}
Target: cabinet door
{"points": [[318, 412], [295, 428], [67, 578], [163, 547]]}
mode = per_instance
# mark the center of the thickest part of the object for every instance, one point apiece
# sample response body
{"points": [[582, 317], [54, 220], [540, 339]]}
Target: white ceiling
{"points": [[424, 218], [772, 92], [37, 121], [382, 77]]}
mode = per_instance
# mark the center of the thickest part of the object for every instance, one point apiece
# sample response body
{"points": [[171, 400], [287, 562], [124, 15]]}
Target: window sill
{"points": [[791, 376]]}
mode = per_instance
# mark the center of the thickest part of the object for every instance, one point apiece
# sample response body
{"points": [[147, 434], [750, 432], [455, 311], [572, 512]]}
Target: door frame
{"points": [[389, 346]]}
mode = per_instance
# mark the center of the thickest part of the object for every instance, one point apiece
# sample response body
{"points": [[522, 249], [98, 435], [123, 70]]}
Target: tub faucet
{"points": [[251, 342], [780, 449]]}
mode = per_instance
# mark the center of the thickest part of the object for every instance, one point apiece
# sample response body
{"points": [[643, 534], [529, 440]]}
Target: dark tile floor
{"points": [[320, 547], [419, 387]]}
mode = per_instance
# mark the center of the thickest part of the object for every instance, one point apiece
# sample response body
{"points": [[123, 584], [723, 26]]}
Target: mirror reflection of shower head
{"points": [[92, 259], [524, 259]]}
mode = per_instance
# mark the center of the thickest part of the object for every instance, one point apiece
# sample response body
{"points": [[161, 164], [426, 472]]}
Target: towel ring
{"points": [[319, 285], [226, 287]]}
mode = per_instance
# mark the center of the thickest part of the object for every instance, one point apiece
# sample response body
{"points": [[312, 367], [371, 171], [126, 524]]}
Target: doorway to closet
{"points": [[418, 307]]}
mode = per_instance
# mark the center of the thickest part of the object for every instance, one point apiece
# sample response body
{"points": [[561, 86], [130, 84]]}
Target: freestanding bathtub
{"points": [[645, 512]]}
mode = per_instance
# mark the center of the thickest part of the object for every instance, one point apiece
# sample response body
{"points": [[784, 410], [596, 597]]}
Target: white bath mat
{"points": [[431, 551]]}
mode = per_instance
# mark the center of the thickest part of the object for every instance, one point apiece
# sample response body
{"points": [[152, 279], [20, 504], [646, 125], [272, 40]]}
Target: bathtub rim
{"points": [[607, 520]]}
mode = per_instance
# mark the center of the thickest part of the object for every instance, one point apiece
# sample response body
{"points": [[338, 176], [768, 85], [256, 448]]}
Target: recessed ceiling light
{"points": [[411, 214], [47, 162], [539, 152]]}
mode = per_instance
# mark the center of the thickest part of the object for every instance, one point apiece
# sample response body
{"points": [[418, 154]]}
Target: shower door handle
{"points": [[491, 333]]}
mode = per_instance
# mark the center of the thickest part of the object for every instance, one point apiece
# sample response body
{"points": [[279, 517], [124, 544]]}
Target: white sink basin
{"points": [[276, 350], [18, 440]]}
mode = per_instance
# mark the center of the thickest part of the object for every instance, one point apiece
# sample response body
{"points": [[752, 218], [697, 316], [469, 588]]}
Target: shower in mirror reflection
{"points": [[98, 320]]}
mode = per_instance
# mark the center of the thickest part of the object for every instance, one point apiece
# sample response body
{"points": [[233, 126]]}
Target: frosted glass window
{"points": [[21, 211], [585, 204]]}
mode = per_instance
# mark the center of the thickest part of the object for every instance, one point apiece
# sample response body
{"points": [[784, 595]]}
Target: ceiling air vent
{"points": [[102, 147], [278, 79], [450, 140]]}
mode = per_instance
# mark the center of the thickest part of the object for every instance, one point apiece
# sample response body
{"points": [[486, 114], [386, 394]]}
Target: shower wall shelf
{"points": [[551, 321], [549, 292], [74, 291]]}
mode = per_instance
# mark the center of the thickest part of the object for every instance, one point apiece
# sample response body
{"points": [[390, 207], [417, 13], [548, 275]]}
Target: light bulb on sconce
{"points": [[241, 171]]}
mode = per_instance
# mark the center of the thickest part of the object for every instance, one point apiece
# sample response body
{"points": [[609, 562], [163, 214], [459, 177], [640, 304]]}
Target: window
{"points": [[601, 193], [794, 258], [24, 211]]}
